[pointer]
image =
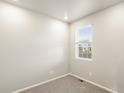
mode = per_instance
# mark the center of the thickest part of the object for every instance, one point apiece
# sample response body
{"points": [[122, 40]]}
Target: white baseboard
{"points": [[27, 88], [98, 85]]}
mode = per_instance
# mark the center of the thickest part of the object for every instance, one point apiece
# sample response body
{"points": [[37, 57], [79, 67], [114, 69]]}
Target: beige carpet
{"points": [[67, 84]]}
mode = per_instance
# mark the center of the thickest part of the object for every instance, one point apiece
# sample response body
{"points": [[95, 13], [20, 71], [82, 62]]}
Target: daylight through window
{"points": [[84, 43]]}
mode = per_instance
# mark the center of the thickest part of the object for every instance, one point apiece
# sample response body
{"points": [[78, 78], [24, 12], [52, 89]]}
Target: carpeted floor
{"points": [[67, 84]]}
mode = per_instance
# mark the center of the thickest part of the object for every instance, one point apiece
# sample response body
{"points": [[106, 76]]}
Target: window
{"points": [[84, 43]]}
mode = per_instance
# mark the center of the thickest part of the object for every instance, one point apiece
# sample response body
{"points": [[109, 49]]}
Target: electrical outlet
{"points": [[90, 73], [51, 72]]}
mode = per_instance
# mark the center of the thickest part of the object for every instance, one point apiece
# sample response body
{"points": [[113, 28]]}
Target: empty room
{"points": [[61, 46]]}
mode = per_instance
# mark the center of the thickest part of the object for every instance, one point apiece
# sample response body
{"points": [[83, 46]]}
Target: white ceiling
{"points": [[75, 9]]}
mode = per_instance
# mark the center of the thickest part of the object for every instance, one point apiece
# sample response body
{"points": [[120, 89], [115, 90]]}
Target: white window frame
{"points": [[76, 45]]}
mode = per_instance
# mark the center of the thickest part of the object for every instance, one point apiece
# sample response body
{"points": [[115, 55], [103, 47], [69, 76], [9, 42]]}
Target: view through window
{"points": [[84, 43]]}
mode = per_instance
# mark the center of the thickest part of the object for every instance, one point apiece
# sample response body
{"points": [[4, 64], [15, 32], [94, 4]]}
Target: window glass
{"points": [[84, 43]]}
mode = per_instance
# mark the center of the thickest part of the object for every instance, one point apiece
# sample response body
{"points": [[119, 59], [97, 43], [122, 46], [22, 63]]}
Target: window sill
{"points": [[85, 59]]}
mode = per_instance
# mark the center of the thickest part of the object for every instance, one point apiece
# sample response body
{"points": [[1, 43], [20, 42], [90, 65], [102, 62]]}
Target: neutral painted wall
{"points": [[108, 48], [33, 48]]}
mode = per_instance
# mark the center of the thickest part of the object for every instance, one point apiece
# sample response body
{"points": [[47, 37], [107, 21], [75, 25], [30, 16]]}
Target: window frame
{"points": [[77, 43]]}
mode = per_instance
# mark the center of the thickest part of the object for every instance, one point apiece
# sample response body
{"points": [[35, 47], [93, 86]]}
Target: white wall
{"points": [[108, 48], [31, 46]]}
